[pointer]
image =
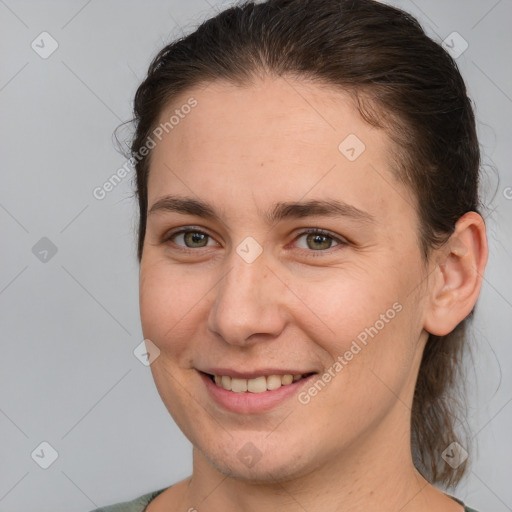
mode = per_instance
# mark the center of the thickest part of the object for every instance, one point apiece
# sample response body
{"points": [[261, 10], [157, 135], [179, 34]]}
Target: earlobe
{"points": [[460, 266]]}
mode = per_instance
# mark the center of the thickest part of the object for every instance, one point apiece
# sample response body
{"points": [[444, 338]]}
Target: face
{"points": [[235, 282]]}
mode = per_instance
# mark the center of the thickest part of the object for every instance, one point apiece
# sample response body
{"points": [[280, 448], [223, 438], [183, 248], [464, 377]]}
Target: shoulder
{"points": [[466, 508], [460, 502], [136, 505]]}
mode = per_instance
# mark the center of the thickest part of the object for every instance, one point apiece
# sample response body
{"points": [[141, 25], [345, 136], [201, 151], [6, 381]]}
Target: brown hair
{"points": [[402, 81]]}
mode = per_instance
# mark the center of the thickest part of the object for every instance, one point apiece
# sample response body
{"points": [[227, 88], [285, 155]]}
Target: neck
{"points": [[377, 474]]}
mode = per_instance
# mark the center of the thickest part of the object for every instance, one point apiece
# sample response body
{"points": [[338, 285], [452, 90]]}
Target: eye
{"points": [[316, 239], [191, 238], [319, 240]]}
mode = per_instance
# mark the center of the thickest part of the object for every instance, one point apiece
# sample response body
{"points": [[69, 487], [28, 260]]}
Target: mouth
{"points": [[253, 392], [259, 384]]}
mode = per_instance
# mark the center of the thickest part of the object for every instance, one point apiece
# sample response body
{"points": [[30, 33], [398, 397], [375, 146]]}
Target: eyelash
{"points": [[315, 231]]}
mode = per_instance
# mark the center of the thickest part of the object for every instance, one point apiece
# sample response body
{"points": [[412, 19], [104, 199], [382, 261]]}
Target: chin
{"points": [[270, 472], [255, 459]]}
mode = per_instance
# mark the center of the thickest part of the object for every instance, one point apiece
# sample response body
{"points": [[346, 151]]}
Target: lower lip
{"points": [[247, 403]]}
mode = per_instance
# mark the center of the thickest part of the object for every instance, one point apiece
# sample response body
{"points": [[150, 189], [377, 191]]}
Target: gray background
{"points": [[70, 323]]}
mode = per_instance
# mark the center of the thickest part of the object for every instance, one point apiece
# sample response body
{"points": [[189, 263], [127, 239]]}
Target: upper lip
{"points": [[265, 372]]}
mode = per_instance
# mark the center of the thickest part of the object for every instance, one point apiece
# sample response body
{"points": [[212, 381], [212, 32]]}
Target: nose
{"points": [[248, 306]]}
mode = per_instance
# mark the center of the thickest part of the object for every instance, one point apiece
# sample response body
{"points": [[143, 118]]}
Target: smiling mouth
{"points": [[256, 385]]}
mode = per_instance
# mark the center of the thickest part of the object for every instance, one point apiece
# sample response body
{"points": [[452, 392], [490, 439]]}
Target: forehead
{"points": [[279, 109], [274, 137]]}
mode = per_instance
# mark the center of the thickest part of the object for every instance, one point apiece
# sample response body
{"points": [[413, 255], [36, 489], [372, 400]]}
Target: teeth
{"points": [[257, 385], [274, 382], [286, 379], [225, 382], [238, 385]]}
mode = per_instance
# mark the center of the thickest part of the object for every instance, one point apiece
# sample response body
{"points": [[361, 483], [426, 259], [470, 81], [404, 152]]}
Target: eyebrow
{"points": [[280, 211]]}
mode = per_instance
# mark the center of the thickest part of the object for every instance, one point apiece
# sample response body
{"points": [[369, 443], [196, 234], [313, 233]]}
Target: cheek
{"points": [[169, 304], [349, 306], [366, 327]]}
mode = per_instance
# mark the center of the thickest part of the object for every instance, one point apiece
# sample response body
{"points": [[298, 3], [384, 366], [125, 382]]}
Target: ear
{"points": [[457, 278]]}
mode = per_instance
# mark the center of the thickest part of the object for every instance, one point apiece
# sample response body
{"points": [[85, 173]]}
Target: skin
{"points": [[299, 304]]}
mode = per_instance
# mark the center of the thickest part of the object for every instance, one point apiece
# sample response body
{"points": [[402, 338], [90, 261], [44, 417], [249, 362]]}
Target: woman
{"points": [[310, 252]]}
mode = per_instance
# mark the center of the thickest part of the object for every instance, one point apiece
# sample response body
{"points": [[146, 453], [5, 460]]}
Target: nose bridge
{"points": [[247, 300]]}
